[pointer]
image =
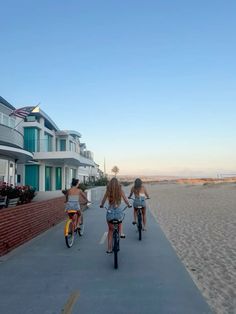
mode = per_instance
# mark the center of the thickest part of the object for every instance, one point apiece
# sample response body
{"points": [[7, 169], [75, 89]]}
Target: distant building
{"points": [[52, 156]]}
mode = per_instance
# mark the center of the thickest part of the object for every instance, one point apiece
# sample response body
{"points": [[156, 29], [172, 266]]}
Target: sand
{"points": [[200, 223]]}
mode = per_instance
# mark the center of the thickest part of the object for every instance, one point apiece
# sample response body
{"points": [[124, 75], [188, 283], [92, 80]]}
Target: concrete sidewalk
{"points": [[45, 277], [47, 195]]}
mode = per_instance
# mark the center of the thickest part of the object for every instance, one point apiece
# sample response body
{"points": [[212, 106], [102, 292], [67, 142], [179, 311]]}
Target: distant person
{"points": [[140, 193], [114, 194], [73, 196]]}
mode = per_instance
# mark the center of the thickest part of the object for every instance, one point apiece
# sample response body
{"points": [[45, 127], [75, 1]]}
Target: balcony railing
{"points": [[45, 145]]}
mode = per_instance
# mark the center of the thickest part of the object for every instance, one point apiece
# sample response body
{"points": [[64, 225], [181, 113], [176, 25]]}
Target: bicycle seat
{"points": [[71, 211]]}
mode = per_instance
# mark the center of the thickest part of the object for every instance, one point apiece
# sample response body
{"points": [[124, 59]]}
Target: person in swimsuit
{"points": [[114, 194], [73, 196], [140, 193]]}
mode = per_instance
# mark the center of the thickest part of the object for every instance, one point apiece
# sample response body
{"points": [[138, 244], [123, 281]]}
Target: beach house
{"points": [[48, 158]]}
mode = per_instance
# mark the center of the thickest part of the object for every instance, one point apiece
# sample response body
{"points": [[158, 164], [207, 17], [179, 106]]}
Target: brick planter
{"points": [[24, 222]]}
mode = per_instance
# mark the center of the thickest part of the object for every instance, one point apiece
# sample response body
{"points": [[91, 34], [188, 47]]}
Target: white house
{"points": [[47, 157]]}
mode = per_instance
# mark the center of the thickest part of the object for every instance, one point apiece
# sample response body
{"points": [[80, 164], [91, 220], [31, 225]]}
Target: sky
{"points": [[149, 84]]}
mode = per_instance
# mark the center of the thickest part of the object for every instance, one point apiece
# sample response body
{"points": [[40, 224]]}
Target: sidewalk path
{"points": [[45, 277]]}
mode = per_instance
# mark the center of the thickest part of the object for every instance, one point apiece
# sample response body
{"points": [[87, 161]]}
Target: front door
{"points": [[58, 178], [32, 176], [48, 178]]}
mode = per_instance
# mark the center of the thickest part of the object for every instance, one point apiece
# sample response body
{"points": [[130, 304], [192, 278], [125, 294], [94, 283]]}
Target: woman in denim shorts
{"points": [[140, 193], [114, 194]]}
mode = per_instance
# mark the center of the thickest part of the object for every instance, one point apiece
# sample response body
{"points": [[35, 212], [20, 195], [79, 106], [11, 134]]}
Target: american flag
{"points": [[22, 112]]}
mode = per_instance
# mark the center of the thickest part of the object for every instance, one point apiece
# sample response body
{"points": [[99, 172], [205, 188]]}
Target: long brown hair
{"points": [[114, 192]]}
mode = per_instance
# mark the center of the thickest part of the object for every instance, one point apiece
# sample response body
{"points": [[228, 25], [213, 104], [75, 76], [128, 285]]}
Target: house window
{"points": [[48, 142], [31, 139], [12, 123], [30, 118], [72, 146], [62, 145], [5, 120]]}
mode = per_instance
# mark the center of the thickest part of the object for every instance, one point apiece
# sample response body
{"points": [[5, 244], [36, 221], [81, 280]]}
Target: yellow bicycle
{"points": [[70, 229]]}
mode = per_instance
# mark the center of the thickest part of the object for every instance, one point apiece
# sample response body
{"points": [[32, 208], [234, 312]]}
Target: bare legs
{"points": [[143, 215], [110, 235]]}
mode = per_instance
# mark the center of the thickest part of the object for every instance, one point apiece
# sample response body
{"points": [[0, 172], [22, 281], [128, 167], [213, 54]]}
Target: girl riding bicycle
{"points": [[140, 194], [114, 194], [73, 197]]}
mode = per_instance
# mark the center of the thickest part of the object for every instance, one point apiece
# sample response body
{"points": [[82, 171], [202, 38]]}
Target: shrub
{"points": [[25, 193]]}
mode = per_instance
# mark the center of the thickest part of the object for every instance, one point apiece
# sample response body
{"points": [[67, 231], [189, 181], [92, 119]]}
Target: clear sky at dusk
{"points": [[150, 85]]}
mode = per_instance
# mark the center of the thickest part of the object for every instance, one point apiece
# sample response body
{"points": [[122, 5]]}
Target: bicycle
{"points": [[116, 237], [139, 218], [70, 228]]}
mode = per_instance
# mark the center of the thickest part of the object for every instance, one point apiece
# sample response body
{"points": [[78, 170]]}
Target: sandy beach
{"points": [[200, 223]]}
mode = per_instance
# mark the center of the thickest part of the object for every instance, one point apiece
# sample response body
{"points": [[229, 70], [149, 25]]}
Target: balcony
{"points": [[64, 157], [10, 136]]}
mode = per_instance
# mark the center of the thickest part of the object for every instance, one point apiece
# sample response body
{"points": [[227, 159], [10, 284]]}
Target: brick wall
{"points": [[24, 222]]}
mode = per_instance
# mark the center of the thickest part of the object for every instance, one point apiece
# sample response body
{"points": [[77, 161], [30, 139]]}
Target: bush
{"points": [[101, 182], [25, 193]]}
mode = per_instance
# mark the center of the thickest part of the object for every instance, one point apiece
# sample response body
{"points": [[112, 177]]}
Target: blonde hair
{"points": [[114, 192]]}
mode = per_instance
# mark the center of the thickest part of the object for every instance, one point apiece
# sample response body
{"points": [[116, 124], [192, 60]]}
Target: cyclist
{"points": [[140, 193], [114, 194], [73, 196]]}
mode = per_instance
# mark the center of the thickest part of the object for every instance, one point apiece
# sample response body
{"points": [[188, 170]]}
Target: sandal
{"points": [[134, 223], [108, 252]]}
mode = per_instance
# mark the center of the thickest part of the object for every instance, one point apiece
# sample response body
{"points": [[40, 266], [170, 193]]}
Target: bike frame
{"points": [[139, 217], [116, 237]]}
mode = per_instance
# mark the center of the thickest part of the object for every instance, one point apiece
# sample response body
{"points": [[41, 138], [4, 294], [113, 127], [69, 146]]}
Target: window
{"points": [[62, 145], [30, 118], [31, 139], [12, 123], [48, 142], [72, 146], [5, 120]]}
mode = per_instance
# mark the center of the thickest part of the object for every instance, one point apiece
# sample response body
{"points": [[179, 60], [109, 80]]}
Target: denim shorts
{"points": [[72, 205], [115, 213], [139, 201]]}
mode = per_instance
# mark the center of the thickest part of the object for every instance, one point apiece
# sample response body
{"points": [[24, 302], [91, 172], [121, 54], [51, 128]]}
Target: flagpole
{"points": [[18, 124]]}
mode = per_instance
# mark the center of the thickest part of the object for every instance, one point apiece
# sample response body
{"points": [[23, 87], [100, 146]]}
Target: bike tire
{"points": [[69, 233], [115, 250], [140, 227]]}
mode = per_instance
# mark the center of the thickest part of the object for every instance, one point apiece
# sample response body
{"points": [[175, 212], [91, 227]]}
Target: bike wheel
{"points": [[139, 226], [115, 249], [69, 233]]}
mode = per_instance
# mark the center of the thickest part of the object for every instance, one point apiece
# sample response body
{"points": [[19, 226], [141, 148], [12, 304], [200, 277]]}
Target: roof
{"points": [[47, 118], [6, 103]]}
